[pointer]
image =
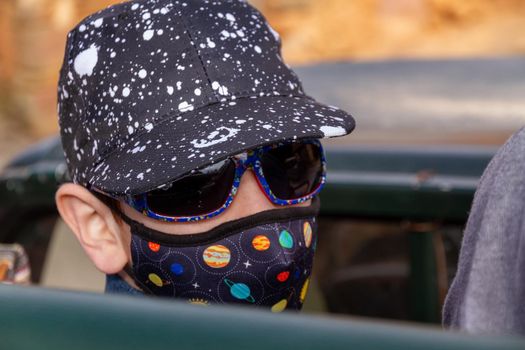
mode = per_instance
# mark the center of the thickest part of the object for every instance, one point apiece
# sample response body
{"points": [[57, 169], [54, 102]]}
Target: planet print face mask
{"points": [[264, 260]]}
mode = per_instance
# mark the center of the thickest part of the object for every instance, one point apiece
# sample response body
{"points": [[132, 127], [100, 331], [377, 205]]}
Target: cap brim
{"points": [[199, 137]]}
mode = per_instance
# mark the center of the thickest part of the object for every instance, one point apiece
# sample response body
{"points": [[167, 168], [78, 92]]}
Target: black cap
{"points": [[150, 90]]}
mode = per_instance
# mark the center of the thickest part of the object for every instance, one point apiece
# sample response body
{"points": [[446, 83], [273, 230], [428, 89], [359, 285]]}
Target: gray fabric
{"points": [[488, 293]]}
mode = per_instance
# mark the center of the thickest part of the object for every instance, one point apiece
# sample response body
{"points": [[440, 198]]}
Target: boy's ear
{"points": [[103, 238]]}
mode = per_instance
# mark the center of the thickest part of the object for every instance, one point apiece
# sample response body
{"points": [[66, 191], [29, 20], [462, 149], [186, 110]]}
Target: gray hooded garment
{"points": [[488, 292]]}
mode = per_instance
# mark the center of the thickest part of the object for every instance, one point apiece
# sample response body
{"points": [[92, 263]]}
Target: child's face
{"points": [[106, 239], [271, 250]]}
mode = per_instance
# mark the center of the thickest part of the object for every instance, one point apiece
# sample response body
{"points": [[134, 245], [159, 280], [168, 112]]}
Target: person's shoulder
{"points": [[509, 161], [482, 298], [514, 147]]}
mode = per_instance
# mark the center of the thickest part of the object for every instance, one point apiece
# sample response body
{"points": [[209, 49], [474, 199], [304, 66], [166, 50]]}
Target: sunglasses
{"points": [[288, 173]]}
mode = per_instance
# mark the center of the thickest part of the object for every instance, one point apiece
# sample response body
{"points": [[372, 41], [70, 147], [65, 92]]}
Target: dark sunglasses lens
{"points": [[200, 193], [293, 170]]}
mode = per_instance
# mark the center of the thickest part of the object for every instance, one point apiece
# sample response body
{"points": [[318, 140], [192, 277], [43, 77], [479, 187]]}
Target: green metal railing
{"points": [[374, 182], [416, 183], [35, 318]]}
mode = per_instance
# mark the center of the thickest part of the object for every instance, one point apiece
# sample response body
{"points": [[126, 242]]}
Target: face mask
{"points": [[263, 260]]}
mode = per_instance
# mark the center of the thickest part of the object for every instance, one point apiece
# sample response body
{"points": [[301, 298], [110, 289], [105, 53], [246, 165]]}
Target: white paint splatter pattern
{"points": [[185, 106], [166, 97], [86, 61], [148, 34], [332, 131], [222, 134], [98, 22]]}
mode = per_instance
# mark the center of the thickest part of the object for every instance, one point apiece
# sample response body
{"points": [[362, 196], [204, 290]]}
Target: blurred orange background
{"points": [[32, 38]]}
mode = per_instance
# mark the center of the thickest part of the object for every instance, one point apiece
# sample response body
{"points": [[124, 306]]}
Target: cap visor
{"points": [[199, 137]]}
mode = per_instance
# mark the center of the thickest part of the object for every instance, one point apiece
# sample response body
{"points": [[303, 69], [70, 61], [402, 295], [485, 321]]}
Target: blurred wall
{"points": [[32, 39], [32, 36], [320, 30]]}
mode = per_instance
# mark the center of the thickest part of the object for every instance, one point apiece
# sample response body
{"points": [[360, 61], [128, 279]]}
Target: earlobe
{"points": [[95, 227]]}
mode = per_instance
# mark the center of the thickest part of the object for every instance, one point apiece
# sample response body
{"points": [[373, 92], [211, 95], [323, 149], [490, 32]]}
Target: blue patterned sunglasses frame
{"points": [[243, 162]]}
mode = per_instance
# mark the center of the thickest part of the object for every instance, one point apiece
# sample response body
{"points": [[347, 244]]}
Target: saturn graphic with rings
{"points": [[240, 290]]}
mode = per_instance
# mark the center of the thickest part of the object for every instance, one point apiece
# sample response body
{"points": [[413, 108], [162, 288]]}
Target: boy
{"points": [[193, 152]]}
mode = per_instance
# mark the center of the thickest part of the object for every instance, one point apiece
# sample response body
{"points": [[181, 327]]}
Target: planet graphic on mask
{"points": [[283, 276], [304, 290], [198, 301], [280, 306], [155, 279], [261, 243], [286, 239], [216, 256], [155, 247], [177, 269], [307, 232], [239, 290]]}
